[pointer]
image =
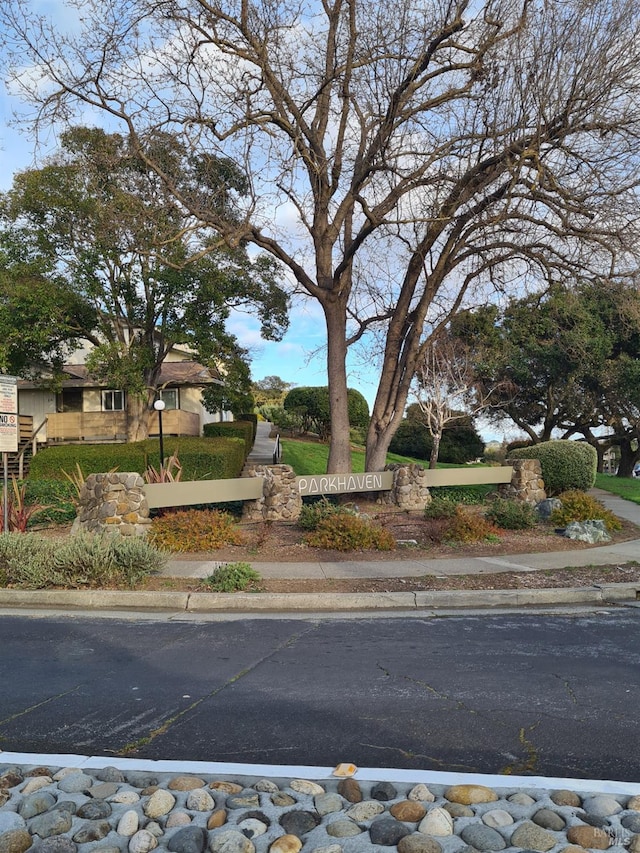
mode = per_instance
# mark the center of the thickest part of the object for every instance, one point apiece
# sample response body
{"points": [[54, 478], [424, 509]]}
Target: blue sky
{"points": [[299, 358]]}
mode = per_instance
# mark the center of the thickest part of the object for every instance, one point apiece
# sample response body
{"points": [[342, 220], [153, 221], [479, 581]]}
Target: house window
{"points": [[170, 397], [113, 401]]}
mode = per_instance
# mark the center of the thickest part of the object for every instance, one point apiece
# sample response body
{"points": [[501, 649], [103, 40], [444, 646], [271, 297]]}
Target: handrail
{"points": [[277, 451]]}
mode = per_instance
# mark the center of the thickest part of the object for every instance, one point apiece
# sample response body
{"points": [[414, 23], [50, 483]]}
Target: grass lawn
{"points": [[626, 487], [310, 457]]}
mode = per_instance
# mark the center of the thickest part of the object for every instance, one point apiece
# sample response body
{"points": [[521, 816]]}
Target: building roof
{"points": [[172, 374]]}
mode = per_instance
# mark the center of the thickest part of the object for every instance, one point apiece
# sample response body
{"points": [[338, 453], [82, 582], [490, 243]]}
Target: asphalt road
{"points": [[552, 695]]}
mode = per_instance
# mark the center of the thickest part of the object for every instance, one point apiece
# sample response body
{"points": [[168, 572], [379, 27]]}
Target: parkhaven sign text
{"points": [[335, 484]]}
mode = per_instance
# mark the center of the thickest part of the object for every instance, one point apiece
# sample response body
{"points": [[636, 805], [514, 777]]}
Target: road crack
{"points": [[134, 746]]}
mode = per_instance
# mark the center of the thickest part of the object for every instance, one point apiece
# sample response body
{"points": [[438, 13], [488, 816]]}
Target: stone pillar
{"points": [[113, 503], [409, 489], [526, 483], [280, 499]]}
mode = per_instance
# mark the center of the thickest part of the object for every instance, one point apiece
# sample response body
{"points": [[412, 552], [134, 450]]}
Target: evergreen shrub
{"points": [[578, 506], [200, 458], [232, 429], [566, 465]]}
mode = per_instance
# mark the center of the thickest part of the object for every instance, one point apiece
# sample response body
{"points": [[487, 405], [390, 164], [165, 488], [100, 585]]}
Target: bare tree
{"points": [[475, 144], [446, 390]]}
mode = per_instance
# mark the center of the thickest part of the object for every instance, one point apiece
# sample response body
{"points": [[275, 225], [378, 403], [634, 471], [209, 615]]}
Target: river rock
{"points": [[252, 827], [328, 803], [109, 774], [142, 842], [231, 841], [286, 844], [548, 819], [409, 811], [63, 844], [10, 821], [185, 783], [190, 839], [601, 806], [421, 793], [266, 786], [218, 818], [176, 818], [75, 783], [140, 779], [50, 823], [530, 836], [246, 799], [416, 842], [588, 836], [128, 824], [303, 786], [35, 804], [93, 830], [566, 798], [437, 821], [36, 784], [103, 790], [126, 798], [496, 818], [470, 794], [387, 831], [159, 803], [633, 803], [482, 838], [11, 778], [384, 791], [364, 811], [521, 799], [350, 789], [282, 799], [343, 828], [458, 810], [15, 841], [94, 810], [299, 822], [631, 822], [226, 787], [200, 800]]}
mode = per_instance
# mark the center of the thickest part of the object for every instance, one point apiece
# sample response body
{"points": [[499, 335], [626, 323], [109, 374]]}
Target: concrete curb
{"points": [[210, 602]]}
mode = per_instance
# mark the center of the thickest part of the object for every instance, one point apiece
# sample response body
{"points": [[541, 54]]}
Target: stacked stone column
{"points": [[113, 502], [526, 483], [409, 491], [280, 499]]}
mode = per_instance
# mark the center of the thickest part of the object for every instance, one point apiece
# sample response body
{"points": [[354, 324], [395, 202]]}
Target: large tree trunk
{"points": [[435, 450], [138, 417], [628, 458], [339, 461]]}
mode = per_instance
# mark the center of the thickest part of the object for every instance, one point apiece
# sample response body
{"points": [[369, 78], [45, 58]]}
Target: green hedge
{"points": [[232, 429], [201, 458], [566, 465], [251, 418]]}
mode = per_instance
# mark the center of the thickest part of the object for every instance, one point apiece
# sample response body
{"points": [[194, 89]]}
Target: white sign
{"points": [[336, 484], [9, 422]]}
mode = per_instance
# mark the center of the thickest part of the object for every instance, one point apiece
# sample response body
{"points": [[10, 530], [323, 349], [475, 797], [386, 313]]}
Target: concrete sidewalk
{"points": [[623, 552]]}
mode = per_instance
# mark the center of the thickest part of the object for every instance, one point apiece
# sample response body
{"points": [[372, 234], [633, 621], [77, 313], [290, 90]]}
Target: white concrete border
{"points": [[295, 771]]}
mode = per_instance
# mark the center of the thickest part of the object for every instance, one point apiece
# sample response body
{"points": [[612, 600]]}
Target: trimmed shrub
{"points": [[512, 515], [252, 418], [232, 429], [58, 496], [311, 405], [566, 465], [350, 533], [578, 506], [232, 577], [201, 458], [28, 561], [469, 527], [468, 495], [194, 530], [311, 514], [440, 507]]}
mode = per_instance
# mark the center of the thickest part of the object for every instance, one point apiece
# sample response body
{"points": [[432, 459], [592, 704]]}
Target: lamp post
{"points": [[159, 407]]}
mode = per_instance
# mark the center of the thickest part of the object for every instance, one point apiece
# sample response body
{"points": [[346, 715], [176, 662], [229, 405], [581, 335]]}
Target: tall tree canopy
{"points": [[140, 274], [564, 362], [399, 153]]}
